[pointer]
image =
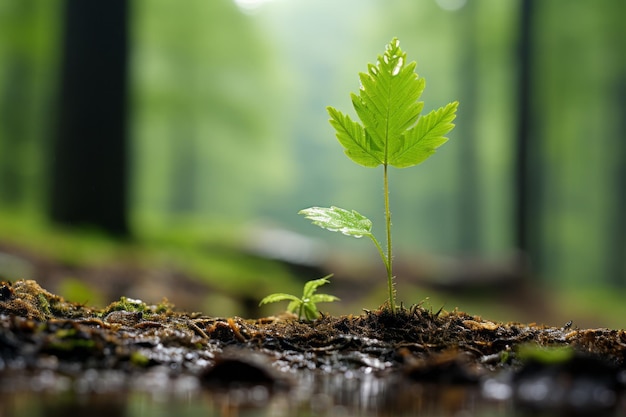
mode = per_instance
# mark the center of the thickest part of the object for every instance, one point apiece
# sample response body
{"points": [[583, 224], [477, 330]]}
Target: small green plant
{"points": [[391, 133], [305, 305]]}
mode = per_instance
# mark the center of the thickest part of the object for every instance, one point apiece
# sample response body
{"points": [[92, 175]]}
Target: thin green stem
{"points": [[300, 310], [392, 296], [380, 250]]}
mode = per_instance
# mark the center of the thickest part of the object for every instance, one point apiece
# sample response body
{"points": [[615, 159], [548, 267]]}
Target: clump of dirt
{"points": [[40, 330], [33, 315]]}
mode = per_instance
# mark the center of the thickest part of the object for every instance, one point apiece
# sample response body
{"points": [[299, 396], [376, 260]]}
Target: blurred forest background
{"points": [[158, 149]]}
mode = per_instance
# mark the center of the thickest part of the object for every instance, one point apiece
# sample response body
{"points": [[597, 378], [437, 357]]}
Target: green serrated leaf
{"points": [[311, 286], [387, 101], [335, 219], [357, 144], [273, 298], [421, 141], [387, 105]]}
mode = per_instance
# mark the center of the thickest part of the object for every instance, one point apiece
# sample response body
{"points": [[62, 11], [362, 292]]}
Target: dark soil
{"points": [[40, 331]]}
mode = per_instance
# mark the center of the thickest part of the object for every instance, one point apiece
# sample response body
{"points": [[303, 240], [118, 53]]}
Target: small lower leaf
{"points": [[335, 219]]}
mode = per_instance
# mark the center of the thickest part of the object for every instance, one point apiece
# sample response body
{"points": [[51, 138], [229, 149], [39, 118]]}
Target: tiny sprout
{"points": [[305, 305]]}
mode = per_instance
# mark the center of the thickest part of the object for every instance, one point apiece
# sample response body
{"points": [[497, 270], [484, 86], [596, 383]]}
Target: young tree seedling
{"points": [[391, 133], [305, 305]]}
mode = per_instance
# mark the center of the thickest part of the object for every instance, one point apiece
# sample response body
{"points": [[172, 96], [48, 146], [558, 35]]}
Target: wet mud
{"points": [[374, 361]]}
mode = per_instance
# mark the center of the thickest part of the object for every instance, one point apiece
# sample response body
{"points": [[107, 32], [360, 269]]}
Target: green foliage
{"points": [[545, 354], [391, 133], [127, 304], [305, 305], [139, 359]]}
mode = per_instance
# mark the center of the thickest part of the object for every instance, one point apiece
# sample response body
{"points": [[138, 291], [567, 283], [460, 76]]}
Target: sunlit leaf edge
{"points": [[323, 298], [274, 298]]}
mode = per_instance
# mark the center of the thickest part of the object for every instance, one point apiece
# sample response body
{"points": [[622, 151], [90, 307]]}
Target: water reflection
{"points": [[315, 394]]}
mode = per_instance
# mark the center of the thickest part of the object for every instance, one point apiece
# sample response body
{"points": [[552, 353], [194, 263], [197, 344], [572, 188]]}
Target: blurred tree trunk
{"points": [[184, 172], [469, 195], [14, 135], [15, 103], [89, 151], [184, 152], [616, 232], [527, 204]]}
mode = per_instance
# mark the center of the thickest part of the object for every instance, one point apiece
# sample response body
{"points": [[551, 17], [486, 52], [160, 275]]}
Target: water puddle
{"points": [[313, 393]]}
